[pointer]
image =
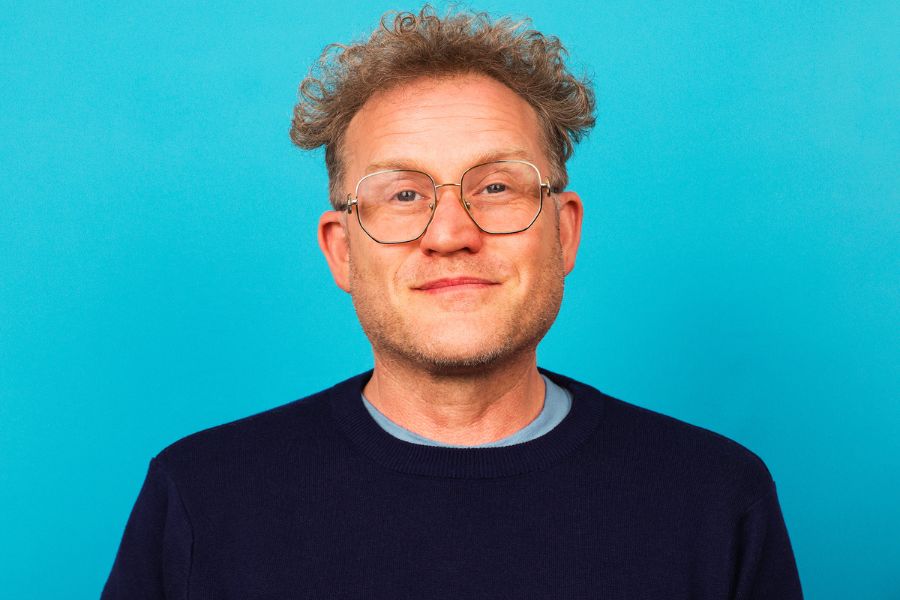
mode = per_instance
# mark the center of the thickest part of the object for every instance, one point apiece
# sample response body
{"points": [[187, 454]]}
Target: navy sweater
{"points": [[314, 500]]}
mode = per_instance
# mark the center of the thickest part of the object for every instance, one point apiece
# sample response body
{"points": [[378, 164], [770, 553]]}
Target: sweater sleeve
{"points": [[154, 557], [766, 566]]}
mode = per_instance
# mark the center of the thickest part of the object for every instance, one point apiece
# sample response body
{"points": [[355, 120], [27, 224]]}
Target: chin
{"points": [[448, 364], [461, 358]]}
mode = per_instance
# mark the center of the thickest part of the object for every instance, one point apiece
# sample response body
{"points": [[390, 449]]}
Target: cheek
{"points": [[373, 273], [537, 260]]}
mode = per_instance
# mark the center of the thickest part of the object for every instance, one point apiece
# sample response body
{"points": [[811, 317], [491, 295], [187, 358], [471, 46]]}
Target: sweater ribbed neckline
{"points": [[465, 463]]}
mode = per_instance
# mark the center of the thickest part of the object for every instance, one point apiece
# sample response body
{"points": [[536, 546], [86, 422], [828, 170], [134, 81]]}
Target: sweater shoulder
{"points": [[665, 447], [675, 433], [293, 428]]}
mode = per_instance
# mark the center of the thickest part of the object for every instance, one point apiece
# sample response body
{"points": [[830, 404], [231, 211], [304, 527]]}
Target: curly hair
{"points": [[408, 46]]}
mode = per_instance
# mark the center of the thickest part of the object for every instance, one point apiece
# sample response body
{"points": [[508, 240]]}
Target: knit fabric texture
{"points": [[313, 499]]}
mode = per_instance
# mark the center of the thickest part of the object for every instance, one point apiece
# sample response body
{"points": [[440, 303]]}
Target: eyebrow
{"points": [[412, 164]]}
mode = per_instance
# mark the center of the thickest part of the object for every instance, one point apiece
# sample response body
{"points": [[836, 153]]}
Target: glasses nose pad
{"points": [[462, 200], [437, 195]]}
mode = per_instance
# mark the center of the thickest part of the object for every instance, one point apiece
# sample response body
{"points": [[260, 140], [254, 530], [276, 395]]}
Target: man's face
{"points": [[456, 298]]}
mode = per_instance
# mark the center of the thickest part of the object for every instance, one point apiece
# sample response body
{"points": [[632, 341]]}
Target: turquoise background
{"points": [[159, 272]]}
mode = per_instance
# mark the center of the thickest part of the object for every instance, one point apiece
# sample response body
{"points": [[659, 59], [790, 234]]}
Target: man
{"points": [[456, 468]]}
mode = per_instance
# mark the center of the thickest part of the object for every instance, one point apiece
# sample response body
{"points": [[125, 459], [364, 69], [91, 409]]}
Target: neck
{"points": [[464, 408]]}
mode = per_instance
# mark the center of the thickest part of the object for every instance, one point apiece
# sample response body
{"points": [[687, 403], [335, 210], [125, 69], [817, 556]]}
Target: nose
{"points": [[451, 228]]}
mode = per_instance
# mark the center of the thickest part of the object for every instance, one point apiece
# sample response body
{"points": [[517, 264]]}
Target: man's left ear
{"points": [[571, 212]]}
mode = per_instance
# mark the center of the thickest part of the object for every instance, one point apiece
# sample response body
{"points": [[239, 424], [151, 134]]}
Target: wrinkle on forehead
{"points": [[405, 110], [395, 123], [425, 118], [405, 162]]}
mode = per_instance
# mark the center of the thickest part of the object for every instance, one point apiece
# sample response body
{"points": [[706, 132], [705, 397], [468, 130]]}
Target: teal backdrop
{"points": [[159, 272]]}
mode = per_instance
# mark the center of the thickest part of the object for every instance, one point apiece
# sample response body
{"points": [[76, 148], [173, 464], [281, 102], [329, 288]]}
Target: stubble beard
{"points": [[517, 335]]}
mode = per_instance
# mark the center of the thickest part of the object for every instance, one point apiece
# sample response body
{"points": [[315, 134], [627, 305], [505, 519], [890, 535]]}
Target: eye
{"points": [[406, 195], [495, 188]]}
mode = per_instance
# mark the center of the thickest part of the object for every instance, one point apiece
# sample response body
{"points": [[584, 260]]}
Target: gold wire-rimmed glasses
{"points": [[396, 206]]}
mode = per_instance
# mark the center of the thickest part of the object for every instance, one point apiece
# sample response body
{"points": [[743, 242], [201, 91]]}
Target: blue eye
{"points": [[406, 195], [495, 188]]}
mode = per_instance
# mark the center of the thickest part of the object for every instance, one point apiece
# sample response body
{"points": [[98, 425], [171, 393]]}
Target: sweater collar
{"points": [[465, 463]]}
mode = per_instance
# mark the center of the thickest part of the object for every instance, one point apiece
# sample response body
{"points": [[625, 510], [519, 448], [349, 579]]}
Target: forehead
{"points": [[442, 125]]}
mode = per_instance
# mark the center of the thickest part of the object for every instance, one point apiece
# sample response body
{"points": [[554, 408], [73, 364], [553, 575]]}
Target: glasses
{"points": [[397, 205]]}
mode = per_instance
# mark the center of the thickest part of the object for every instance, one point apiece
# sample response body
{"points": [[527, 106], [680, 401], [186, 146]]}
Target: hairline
{"points": [[557, 166]]}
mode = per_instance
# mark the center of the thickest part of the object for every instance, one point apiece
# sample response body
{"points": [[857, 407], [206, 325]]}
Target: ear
{"points": [[335, 246], [571, 212]]}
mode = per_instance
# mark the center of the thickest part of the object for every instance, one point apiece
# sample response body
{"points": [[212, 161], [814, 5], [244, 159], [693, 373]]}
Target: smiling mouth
{"points": [[455, 283]]}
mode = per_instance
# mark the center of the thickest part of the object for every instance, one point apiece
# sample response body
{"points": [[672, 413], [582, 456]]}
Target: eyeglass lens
{"points": [[501, 197]]}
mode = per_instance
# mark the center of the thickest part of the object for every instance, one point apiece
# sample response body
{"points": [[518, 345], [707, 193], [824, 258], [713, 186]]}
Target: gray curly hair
{"points": [[408, 46]]}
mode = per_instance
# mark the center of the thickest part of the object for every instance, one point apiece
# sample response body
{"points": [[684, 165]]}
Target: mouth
{"points": [[447, 284]]}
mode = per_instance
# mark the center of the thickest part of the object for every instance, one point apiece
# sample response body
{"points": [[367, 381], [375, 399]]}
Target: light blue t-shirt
{"points": [[557, 402]]}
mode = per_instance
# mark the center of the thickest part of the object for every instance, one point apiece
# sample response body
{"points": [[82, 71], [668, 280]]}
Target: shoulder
{"points": [[270, 437], [667, 450]]}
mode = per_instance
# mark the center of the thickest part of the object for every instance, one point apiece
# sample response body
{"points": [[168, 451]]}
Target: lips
{"points": [[449, 283]]}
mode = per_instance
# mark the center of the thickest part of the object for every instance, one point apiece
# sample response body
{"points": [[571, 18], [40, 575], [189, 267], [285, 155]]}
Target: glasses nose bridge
{"points": [[438, 186]]}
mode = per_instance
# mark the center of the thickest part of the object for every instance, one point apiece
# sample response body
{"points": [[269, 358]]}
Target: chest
{"points": [[361, 534]]}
